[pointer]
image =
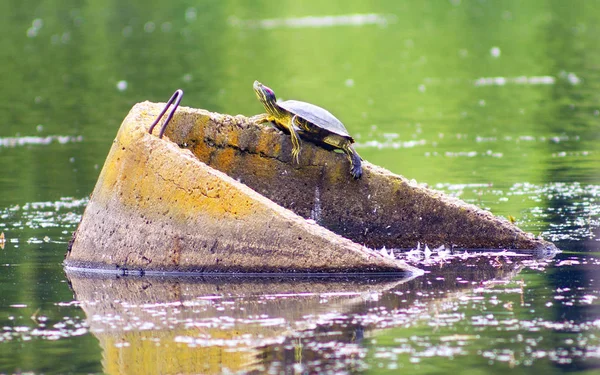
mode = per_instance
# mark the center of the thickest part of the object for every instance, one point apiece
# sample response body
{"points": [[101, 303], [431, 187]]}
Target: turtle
{"points": [[311, 122]]}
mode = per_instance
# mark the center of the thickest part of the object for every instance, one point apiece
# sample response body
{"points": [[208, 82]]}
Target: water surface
{"points": [[494, 102]]}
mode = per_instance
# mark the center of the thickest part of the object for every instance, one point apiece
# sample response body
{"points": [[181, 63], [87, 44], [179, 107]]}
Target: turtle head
{"points": [[264, 94]]}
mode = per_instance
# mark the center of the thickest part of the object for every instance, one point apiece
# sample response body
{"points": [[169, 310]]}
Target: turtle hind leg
{"points": [[355, 161]]}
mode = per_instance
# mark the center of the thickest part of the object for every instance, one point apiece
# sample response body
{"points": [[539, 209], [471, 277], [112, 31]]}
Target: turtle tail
{"points": [[355, 162]]}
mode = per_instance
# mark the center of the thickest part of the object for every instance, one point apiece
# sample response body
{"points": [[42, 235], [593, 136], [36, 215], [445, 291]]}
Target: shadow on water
{"points": [[255, 324]]}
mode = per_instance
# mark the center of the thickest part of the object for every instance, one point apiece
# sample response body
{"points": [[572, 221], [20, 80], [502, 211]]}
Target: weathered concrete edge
{"points": [[88, 268]]}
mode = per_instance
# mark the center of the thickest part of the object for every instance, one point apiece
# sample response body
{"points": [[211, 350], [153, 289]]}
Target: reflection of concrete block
{"points": [[225, 324], [233, 324]]}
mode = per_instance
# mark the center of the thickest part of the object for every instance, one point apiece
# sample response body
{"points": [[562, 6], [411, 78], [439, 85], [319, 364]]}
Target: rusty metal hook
{"points": [[177, 96]]}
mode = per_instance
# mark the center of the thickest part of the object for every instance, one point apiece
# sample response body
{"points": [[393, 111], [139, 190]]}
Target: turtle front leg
{"points": [[265, 117], [355, 161], [261, 119], [295, 140]]}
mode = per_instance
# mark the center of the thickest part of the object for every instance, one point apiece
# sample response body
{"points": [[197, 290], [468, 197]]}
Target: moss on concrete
{"points": [[380, 209]]}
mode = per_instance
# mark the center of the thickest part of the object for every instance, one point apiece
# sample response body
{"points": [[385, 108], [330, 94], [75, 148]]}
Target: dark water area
{"points": [[497, 103]]}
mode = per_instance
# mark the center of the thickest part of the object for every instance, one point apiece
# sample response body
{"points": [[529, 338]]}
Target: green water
{"points": [[497, 102]]}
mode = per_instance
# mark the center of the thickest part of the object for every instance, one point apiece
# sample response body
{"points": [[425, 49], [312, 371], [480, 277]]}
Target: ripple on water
{"points": [[562, 211], [63, 214], [500, 321], [25, 327]]}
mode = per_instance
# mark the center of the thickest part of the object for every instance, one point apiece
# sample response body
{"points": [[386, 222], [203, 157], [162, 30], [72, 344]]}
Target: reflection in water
{"points": [[213, 325]]}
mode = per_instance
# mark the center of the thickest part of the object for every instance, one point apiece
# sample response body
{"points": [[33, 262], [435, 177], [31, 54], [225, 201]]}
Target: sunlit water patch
{"points": [[572, 210], [38, 140], [521, 80], [502, 142], [63, 216], [467, 154], [569, 77], [378, 139], [525, 80], [528, 138], [315, 21], [505, 322], [24, 326], [559, 211], [390, 143], [473, 145]]}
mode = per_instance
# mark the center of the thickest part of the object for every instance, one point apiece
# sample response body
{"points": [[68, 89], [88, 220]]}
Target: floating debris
{"points": [[2, 241], [34, 30], [427, 252], [122, 85], [387, 254], [570, 77], [423, 255], [495, 52]]}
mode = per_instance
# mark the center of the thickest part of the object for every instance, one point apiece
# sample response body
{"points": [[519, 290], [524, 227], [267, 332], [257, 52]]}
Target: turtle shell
{"points": [[319, 117]]}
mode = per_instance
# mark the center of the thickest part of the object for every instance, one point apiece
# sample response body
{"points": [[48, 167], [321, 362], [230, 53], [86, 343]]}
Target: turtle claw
{"points": [[296, 155], [356, 171]]}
